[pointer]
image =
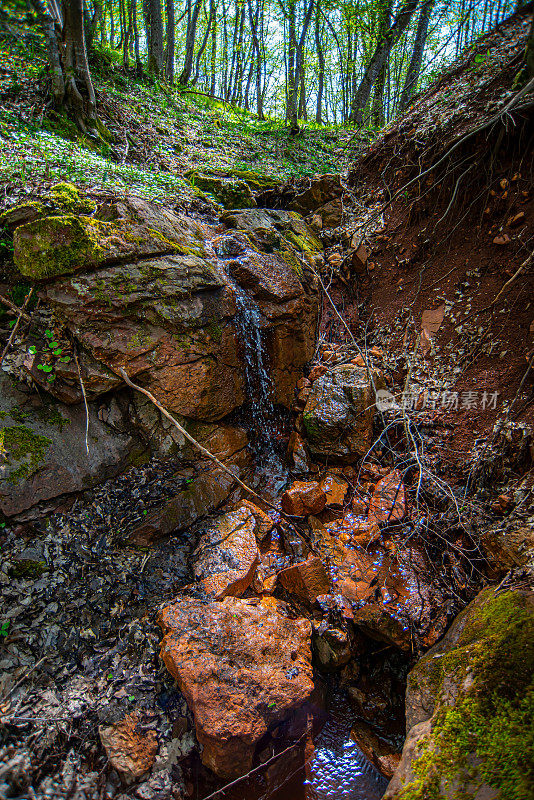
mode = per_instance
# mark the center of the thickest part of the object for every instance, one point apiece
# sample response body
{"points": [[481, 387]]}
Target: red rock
{"points": [[227, 554], [335, 489], [303, 498], [130, 750], [297, 454], [242, 667], [388, 503], [317, 371], [502, 239], [307, 580], [303, 383]]}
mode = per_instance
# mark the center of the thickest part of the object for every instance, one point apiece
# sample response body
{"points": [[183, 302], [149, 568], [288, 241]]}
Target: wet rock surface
{"points": [[242, 667]]}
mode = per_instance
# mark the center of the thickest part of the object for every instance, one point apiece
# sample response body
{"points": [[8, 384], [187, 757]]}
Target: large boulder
{"points": [[64, 243], [243, 668], [152, 296], [338, 415], [43, 450], [231, 192], [469, 705]]}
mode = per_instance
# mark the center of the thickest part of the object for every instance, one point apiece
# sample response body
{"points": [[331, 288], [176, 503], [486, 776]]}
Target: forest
{"points": [[266, 400]]}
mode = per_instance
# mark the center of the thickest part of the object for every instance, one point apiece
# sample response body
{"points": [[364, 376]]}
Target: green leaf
{"points": [[48, 333], [52, 345], [65, 359], [131, 698], [4, 627], [58, 351], [51, 378], [47, 368], [33, 349], [40, 366]]}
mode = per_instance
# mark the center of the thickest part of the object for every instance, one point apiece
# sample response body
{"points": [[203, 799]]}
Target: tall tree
{"points": [[379, 58], [72, 86], [414, 67], [154, 31], [192, 21], [169, 54], [295, 52]]}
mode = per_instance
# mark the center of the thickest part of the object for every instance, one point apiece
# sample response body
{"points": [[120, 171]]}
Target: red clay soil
{"points": [[458, 234]]}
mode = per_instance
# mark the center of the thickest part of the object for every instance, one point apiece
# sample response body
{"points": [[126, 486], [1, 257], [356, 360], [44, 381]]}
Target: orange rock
{"points": [[355, 590], [303, 498], [335, 489], [502, 239], [242, 668], [388, 503], [317, 371], [303, 383], [359, 361], [375, 351], [227, 554], [130, 750], [308, 580]]}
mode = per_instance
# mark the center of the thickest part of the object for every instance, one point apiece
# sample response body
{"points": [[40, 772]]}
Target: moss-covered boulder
{"points": [[231, 193], [470, 707], [339, 412], [289, 230], [60, 244], [43, 451]]}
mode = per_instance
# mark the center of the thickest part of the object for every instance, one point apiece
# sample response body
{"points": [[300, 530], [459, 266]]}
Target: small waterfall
{"points": [[259, 386]]}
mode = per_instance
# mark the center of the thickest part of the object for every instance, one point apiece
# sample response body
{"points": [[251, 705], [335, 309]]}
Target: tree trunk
{"points": [[320, 76], [379, 59], [529, 55], [377, 113], [213, 56], [154, 36], [138, 63], [254, 20], [414, 68], [48, 21], [295, 61], [190, 44], [169, 65]]}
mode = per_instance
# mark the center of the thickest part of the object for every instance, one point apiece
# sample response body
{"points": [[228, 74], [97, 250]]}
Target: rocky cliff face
{"points": [[131, 285]]}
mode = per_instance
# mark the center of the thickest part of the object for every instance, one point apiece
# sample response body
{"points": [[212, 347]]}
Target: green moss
{"points": [[54, 246], [215, 331], [67, 197], [307, 244], [20, 444], [293, 262], [487, 735], [28, 568]]}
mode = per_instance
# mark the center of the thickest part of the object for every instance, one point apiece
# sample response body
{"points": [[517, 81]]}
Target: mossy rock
{"points": [[56, 245], [470, 702], [231, 193], [66, 196], [22, 450]]}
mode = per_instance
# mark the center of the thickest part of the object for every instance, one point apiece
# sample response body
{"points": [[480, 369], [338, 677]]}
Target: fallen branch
{"points": [[21, 315], [14, 308], [193, 441], [526, 263], [84, 400]]}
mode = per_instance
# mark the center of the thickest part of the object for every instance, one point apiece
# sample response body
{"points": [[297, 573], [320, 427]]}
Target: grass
{"points": [[159, 134]]}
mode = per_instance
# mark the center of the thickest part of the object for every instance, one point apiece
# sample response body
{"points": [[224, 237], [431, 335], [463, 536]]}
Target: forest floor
{"points": [[159, 136]]}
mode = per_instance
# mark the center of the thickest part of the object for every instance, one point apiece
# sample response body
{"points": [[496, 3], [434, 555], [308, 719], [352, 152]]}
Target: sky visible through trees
{"points": [[313, 61]]}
